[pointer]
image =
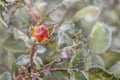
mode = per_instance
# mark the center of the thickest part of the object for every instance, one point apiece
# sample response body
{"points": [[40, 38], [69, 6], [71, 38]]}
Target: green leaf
{"points": [[68, 27], [99, 73], [78, 75], [19, 35], [1, 8], [100, 38], [66, 33], [24, 17], [40, 49], [3, 2], [63, 38], [110, 58], [40, 78], [3, 22], [116, 69], [77, 59], [3, 34], [8, 46], [7, 59], [89, 13], [23, 60], [6, 76], [60, 75], [57, 15], [53, 55], [38, 62], [94, 60], [13, 45]]}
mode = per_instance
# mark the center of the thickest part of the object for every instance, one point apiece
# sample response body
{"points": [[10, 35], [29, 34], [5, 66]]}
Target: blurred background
{"points": [[15, 37]]}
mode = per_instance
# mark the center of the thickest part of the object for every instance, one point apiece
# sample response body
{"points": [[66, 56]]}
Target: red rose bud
{"points": [[40, 33]]}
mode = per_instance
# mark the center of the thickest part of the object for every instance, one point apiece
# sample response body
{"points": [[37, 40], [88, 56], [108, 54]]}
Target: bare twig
{"points": [[32, 55]]}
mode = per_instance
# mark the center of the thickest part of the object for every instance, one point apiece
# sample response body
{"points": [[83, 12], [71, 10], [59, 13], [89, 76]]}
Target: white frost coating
{"points": [[116, 69], [89, 13], [94, 14], [10, 1], [100, 30], [69, 3], [40, 49]]}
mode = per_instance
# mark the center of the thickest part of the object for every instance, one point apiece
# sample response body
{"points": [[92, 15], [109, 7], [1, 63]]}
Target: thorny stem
{"points": [[32, 55]]}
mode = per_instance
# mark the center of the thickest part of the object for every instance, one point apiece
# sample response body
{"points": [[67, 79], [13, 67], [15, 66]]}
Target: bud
{"points": [[40, 33], [21, 77], [35, 76], [67, 52]]}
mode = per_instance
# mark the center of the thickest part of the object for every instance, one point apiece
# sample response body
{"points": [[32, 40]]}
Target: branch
{"points": [[32, 55]]}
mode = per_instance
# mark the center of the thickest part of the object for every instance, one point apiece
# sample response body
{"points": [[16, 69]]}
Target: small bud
{"points": [[35, 76], [67, 52], [23, 70], [21, 77]]}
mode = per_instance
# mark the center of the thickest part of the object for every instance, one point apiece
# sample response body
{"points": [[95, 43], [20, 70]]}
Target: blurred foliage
{"points": [[92, 25]]}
